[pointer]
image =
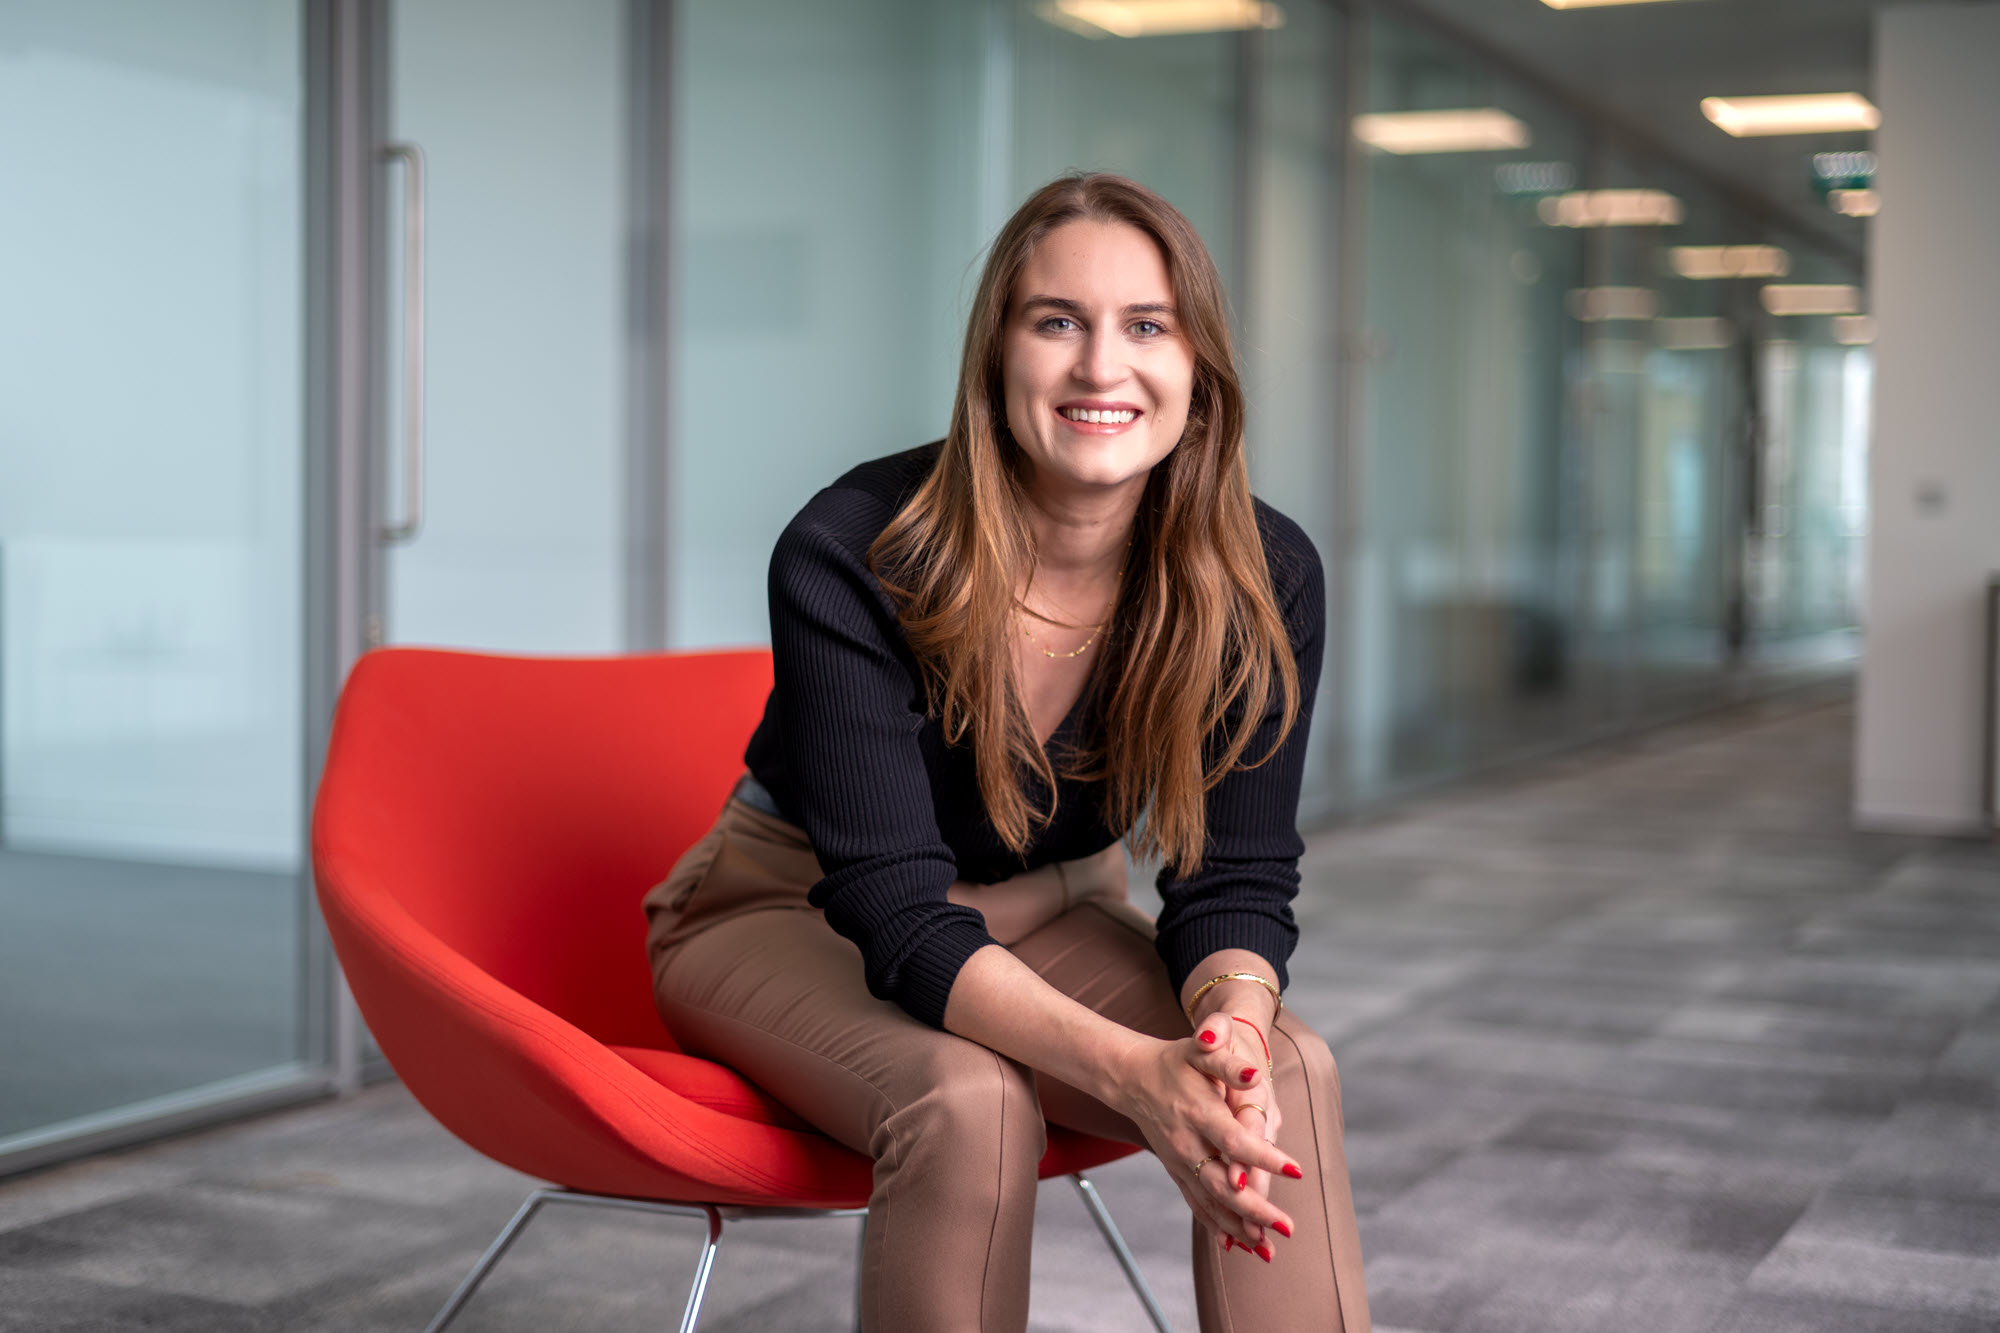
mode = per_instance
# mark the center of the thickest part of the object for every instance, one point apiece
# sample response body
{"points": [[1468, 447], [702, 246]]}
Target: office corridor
{"points": [[1643, 1037]]}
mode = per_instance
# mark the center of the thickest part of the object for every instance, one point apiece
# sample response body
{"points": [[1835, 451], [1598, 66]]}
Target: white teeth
{"points": [[1097, 417]]}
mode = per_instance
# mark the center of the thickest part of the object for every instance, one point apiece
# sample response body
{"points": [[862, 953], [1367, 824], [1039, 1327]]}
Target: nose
{"points": [[1100, 361]]}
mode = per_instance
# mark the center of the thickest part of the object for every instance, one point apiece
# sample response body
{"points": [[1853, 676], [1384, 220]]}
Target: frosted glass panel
{"points": [[151, 445], [827, 161], [520, 108], [149, 431]]}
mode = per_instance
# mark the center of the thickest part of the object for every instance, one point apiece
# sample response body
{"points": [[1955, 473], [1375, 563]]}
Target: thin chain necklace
{"points": [[1095, 630]]}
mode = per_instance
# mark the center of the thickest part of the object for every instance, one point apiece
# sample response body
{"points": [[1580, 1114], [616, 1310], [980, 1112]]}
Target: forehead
{"points": [[1096, 263]]}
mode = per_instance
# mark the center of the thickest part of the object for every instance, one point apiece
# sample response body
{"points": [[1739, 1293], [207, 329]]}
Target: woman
{"points": [[996, 656]]}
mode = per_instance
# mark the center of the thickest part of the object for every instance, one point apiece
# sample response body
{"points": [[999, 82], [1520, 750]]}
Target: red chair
{"points": [[484, 830]]}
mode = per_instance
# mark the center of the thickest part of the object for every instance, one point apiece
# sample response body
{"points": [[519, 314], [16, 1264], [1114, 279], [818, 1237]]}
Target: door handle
{"points": [[412, 158]]}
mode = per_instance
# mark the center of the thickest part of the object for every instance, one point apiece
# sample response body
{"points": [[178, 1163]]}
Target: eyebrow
{"points": [[1074, 308]]}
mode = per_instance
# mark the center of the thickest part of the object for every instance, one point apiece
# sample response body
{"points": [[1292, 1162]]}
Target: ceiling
{"points": [[1647, 67]]}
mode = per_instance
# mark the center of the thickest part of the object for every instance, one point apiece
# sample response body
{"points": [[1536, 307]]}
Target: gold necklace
{"points": [[1095, 630]]}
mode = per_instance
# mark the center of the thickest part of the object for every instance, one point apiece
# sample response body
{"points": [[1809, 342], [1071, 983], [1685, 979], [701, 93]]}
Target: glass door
{"points": [[152, 806], [519, 506]]}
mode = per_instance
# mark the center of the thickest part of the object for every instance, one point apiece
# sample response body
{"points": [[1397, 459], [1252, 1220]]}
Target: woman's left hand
{"points": [[1243, 1035]]}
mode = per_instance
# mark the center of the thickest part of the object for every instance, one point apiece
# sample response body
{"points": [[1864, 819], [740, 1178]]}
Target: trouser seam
{"points": [[1319, 1153], [999, 1199]]}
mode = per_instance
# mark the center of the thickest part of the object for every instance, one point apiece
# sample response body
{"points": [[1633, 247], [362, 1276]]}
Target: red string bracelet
{"points": [[1260, 1041]]}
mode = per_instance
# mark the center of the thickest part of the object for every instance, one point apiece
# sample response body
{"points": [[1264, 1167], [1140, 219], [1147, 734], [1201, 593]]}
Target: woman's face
{"points": [[1096, 373]]}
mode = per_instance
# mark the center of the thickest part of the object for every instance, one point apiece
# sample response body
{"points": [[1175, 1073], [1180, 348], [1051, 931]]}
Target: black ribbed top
{"points": [[849, 754]]}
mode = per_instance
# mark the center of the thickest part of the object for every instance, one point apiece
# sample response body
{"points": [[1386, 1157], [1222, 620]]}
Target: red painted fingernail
{"points": [[1294, 1172], [1247, 1075], [1226, 1243], [1264, 1251], [1208, 1039], [1282, 1229], [1242, 1179]]}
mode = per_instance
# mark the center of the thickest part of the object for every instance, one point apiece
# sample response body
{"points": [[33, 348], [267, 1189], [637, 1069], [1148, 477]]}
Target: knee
{"points": [[963, 1100], [1304, 1057]]}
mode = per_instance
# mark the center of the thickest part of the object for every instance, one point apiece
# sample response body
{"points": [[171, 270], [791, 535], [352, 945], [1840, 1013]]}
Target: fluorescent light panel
{"points": [[1694, 333], [1806, 298], [1817, 114], [1854, 330], [1729, 261], [1469, 130], [1855, 203], [1596, 305], [1610, 208], [1159, 18]]}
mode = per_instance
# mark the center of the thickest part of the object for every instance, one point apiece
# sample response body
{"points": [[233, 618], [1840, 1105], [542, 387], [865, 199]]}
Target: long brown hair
{"points": [[1196, 634]]}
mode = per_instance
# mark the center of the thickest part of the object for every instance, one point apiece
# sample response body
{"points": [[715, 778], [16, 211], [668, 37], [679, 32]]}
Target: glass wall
{"points": [[1812, 512], [1486, 574], [1289, 314], [826, 224], [1562, 422], [151, 803]]}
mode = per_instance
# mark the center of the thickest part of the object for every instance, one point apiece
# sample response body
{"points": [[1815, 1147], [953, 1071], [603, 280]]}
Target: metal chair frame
{"points": [[717, 1214]]}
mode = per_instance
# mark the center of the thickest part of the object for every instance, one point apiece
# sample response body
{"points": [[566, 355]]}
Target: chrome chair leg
{"points": [[701, 1270], [708, 1212], [860, 1259], [487, 1260], [1102, 1217]]}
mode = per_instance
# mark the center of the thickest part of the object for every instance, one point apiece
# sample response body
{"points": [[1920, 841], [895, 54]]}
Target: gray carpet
{"points": [[1639, 1039]]}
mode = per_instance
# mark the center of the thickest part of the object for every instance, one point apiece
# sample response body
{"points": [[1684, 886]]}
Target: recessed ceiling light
{"points": [[1855, 203], [1158, 18], [1729, 261], [1816, 114], [1472, 130], [1809, 298], [1610, 208]]}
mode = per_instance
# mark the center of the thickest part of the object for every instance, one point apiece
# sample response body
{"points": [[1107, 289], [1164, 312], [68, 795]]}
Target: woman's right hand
{"points": [[1174, 1091]]}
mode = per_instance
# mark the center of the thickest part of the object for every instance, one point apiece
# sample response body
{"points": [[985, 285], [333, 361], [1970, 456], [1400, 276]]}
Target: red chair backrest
{"points": [[519, 808]]}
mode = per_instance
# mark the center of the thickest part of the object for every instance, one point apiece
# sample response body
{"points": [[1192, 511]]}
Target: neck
{"points": [[1082, 538]]}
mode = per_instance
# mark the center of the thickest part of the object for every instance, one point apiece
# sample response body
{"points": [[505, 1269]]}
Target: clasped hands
{"points": [[1207, 1109]]}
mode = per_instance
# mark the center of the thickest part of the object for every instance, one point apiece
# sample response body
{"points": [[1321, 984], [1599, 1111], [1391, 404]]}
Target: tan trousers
{"points": [[747, 974]]}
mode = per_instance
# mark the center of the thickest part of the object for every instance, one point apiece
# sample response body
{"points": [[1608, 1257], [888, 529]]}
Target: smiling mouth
{"points": [[1095, 417]]}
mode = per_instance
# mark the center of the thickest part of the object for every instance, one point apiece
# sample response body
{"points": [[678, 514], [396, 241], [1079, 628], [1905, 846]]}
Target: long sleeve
{"points": [[1241, 897], [851, 713]]}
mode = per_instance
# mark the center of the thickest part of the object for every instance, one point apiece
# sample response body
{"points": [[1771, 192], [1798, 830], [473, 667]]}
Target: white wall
{"points": [[1934, 482]]}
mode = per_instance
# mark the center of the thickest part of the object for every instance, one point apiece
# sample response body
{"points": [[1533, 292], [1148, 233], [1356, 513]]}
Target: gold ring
{"points": [[1255, 1106], [1196, 1168]]}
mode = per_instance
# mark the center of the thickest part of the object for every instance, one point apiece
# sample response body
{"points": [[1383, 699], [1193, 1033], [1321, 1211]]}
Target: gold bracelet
{"points": [[1213, 982]]}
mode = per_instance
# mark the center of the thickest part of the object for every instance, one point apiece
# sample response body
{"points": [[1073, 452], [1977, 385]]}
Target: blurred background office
{"points": [[525, 326]]}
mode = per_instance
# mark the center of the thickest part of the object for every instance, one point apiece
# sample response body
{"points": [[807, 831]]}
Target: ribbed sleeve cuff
{"points": [[926, 976], [1183, 947]]}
